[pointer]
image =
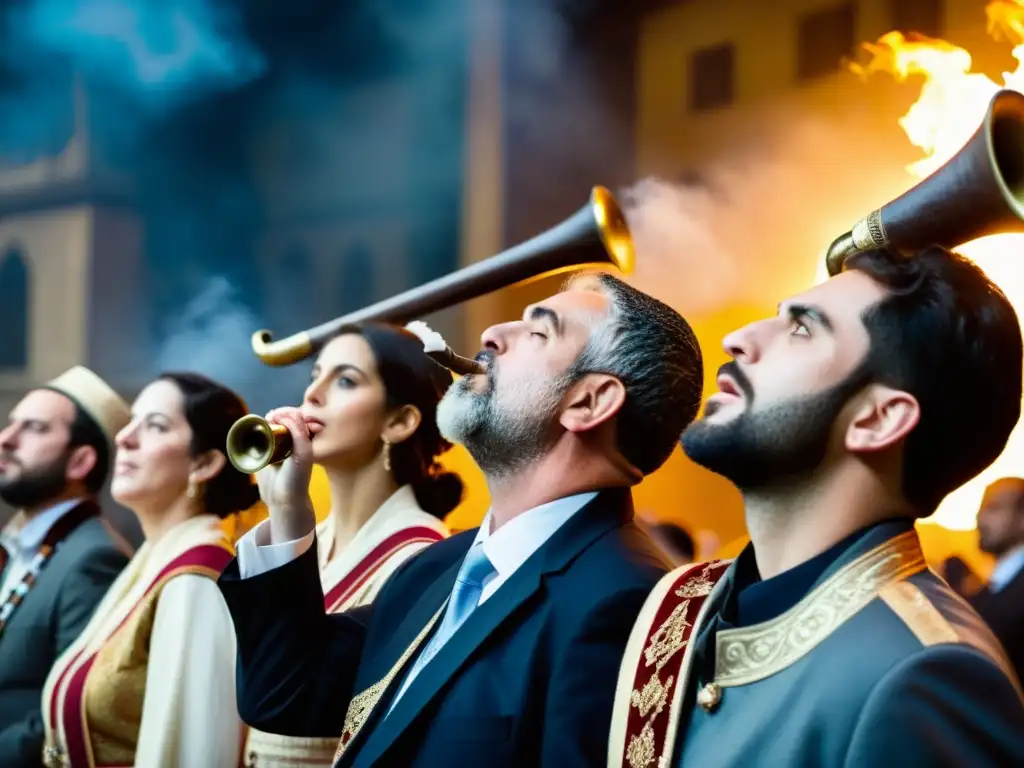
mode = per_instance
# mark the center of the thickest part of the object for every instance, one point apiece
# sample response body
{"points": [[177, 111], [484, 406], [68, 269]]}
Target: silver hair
{"points": [[653, 351]]}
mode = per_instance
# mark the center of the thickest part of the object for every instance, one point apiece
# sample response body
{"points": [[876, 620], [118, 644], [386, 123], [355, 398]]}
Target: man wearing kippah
{"points": [[57, 557]]}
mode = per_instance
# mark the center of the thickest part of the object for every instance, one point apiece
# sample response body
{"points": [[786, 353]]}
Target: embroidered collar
{"points": [[752, 653], [754, 601]]}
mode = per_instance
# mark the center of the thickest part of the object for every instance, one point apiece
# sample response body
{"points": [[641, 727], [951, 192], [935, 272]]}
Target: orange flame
{"points": [[953, 98], [948, 111]]}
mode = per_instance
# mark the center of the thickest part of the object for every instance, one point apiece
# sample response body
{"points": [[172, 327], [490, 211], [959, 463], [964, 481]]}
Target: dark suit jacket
{"points": [[1003, 611], [913, 680], [527, 680], [52, 615]]}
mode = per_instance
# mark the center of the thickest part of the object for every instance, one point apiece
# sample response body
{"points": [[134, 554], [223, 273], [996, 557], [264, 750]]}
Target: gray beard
{"points": [[501, 440]]}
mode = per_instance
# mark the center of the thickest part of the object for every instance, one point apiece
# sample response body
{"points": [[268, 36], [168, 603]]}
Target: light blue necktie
{"points": [[465, 596]]}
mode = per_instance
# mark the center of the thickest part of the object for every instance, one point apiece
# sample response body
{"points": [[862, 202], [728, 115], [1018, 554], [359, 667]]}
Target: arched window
{"points": [[14, 309], [357, 286]]}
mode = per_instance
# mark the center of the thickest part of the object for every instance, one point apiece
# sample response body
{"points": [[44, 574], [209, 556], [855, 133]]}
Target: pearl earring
{"points": [[387, 455], [193, 488]]}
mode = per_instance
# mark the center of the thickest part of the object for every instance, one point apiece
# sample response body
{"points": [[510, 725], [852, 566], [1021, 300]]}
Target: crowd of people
{"points": [[559, 633]]}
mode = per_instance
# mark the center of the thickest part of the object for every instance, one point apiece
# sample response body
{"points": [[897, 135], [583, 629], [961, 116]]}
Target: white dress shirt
{"points": [[1007, 568], [512, 544], [507, 548], [23, 545]]}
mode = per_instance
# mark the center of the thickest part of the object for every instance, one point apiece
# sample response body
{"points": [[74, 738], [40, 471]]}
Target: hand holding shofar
{"points": [[596, 235], [254, 442]]}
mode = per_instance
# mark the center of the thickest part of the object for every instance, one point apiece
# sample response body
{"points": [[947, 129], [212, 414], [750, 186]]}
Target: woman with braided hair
{"points": [[370, 407]]}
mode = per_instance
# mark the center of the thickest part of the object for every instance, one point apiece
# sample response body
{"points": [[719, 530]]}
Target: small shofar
{"points": [[437, 349]]}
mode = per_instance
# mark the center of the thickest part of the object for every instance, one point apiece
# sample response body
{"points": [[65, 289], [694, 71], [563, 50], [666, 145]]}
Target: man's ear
{"points": [[592, 401], [882, 417], [81, 461]]}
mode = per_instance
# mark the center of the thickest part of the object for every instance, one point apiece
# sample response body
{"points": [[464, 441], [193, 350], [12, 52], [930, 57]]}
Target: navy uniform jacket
{"points": [[527, 680], [860, 657]]}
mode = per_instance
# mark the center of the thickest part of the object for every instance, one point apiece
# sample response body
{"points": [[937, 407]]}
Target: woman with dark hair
{"points": [[370, 408], [150, 681]]}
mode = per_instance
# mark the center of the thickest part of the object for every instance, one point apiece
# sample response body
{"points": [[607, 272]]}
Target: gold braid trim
{"points": [[362, 704], [746, 655]]}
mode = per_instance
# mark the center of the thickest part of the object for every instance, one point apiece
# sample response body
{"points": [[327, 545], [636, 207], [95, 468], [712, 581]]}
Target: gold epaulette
{"points": [[919, 614], [928, 624]]}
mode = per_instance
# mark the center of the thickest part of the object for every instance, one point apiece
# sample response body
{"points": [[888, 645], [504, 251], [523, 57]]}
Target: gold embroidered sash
{"points": [[656, 663], [743, 656], [69, 737], [361, 706]]}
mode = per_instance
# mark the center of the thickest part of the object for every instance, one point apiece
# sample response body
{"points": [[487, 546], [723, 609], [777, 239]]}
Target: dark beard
{"points": [[36, 487], [760, 449]]}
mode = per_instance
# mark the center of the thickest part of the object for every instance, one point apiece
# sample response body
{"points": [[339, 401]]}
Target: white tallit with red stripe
{"points": [[352, 577]]}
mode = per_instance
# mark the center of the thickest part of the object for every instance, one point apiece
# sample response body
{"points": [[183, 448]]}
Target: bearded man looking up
{"points": [[828, 642], [499, 646]]}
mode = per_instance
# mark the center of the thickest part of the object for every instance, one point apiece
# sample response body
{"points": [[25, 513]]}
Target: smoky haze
{"points": [[731, 232], [233, 118], [161, 53], [243, 124], [751, 224]]}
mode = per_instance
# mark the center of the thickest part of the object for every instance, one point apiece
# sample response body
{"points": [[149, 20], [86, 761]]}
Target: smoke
{"points": [[751, 225], [117, 68], [678, 234], [213, 335], [253, 130], [159, 52]]}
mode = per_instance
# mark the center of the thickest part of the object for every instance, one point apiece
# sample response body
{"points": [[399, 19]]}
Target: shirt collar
{"points": [[1007, 568], [31, 535], [512, 544]]}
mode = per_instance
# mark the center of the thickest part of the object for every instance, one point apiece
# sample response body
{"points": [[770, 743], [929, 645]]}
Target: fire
{"points": [[953, 98], [948, 111]]}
